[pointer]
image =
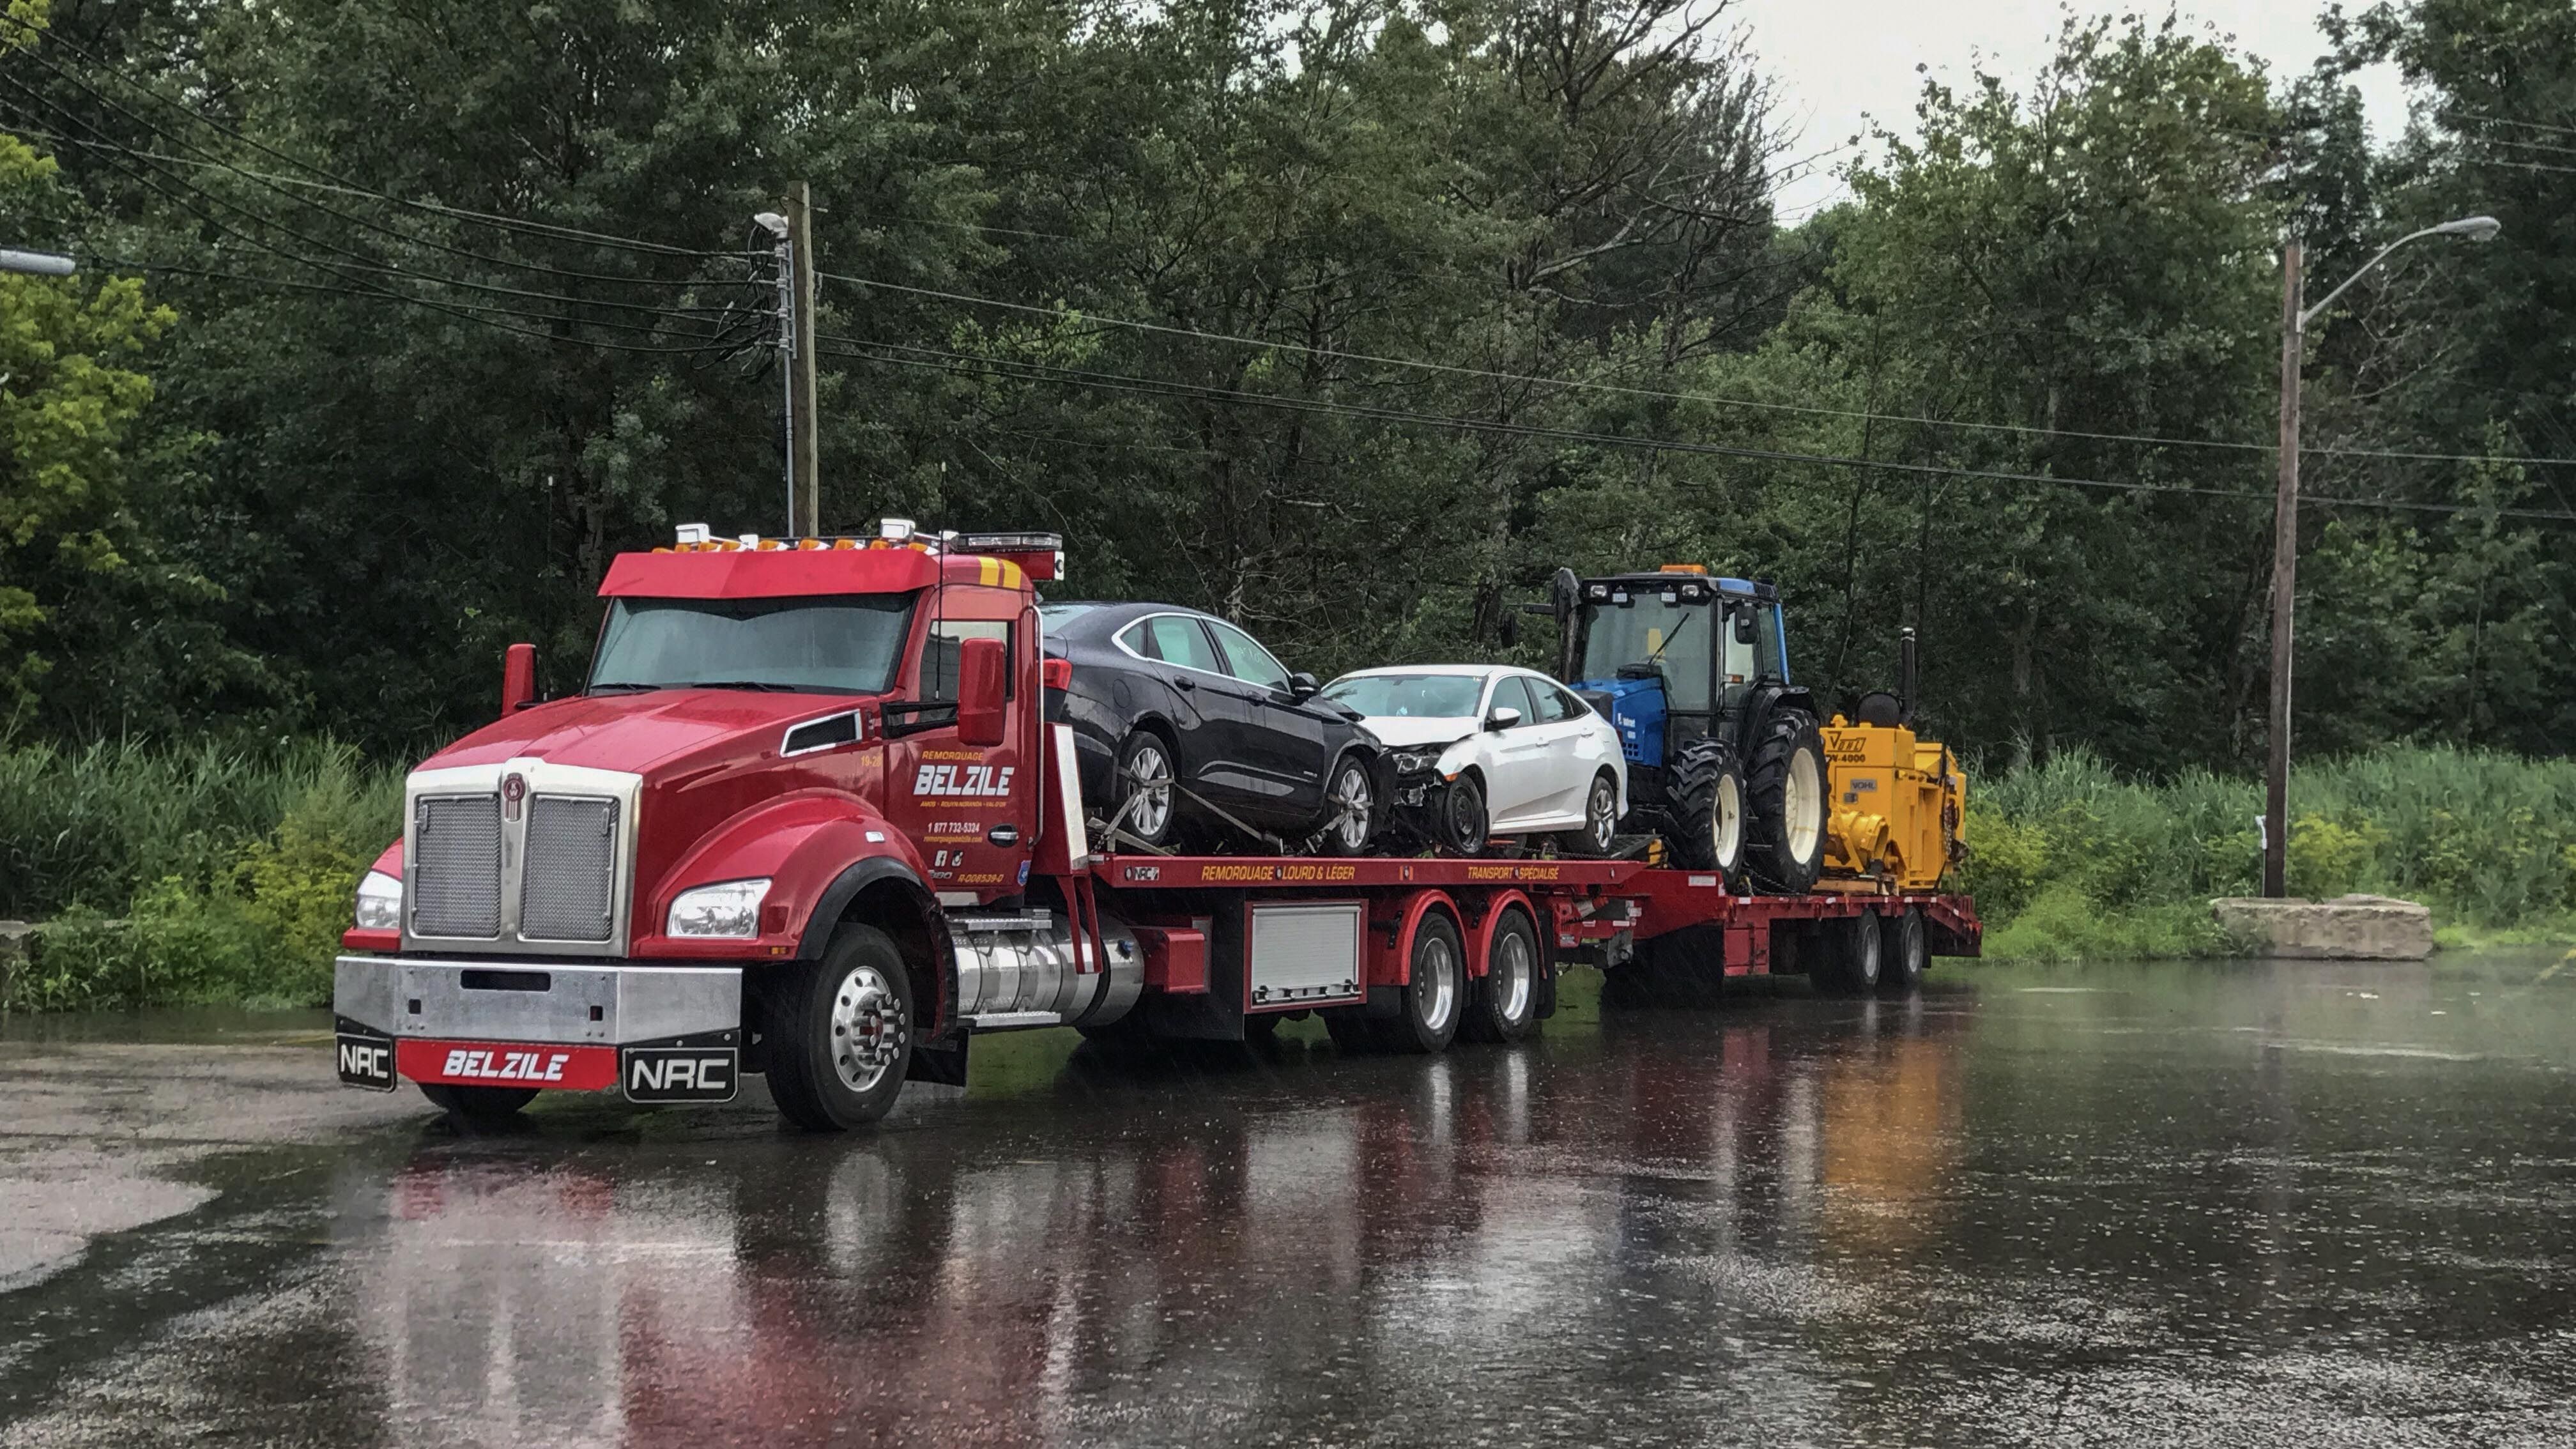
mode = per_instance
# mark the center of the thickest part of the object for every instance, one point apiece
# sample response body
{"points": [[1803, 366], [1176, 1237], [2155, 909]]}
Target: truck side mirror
{"points": [[983, 667], [518, 678], [1744, 626]]}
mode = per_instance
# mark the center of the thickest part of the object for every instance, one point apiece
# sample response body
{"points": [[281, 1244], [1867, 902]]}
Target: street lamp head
{"points": [[772, 221], [2475, 228]]}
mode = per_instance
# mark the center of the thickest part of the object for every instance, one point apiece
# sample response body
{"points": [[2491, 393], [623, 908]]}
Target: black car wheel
{"points": [[1350, 808], [1464, 825], [1147, 805]]}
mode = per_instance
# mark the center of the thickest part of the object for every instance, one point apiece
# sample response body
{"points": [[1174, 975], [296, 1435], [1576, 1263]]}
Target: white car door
{"points": [[1518, 770], [1580, 745]]}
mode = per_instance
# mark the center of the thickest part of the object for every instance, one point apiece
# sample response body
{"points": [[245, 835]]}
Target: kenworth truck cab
{"points": [[793, 765]]}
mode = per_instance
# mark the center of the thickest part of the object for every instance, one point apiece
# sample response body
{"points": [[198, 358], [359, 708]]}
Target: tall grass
{"points": [[2070, 859], [205, 874]]}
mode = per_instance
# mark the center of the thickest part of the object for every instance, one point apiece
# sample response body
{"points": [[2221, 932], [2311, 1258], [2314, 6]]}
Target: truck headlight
{"points": [[379, 902], [731, 909]]}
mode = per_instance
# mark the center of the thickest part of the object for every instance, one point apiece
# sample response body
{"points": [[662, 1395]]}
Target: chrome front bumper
{"points": [[534, 1001]]}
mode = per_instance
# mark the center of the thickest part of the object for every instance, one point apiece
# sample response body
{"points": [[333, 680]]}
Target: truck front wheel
{"points": [[840, 1032]]}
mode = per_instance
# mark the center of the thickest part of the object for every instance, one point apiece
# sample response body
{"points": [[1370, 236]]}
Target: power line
{"points": [[291, 284], [360, 262], [334, 182], [1621, 389], [148, 178], [2509, 121], [356, 258], [964, 364]]}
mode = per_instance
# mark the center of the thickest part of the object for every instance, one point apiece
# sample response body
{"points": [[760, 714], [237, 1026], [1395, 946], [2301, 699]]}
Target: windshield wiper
{"points": [[621, 686], [763, 686], [1657, 658]]}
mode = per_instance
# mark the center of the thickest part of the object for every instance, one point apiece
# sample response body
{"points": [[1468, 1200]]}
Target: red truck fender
{"points": [[1390, 962], [1480, 939], [818, 849]]}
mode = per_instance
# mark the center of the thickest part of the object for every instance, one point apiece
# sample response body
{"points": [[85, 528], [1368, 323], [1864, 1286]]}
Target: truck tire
{"points": [[840, 1031], [1502, 1005], [1600, 832], [478, 1105], [1786, 805], [1145, 766], [1708, 808], [1905, 950], [1848, 958], [1436, 994]]}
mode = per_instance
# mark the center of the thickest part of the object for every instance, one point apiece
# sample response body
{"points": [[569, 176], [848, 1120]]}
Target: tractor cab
{"points": [[1672, 656]]}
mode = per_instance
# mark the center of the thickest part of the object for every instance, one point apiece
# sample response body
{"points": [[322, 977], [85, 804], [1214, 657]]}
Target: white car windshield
{"points": [[1409, 696]]}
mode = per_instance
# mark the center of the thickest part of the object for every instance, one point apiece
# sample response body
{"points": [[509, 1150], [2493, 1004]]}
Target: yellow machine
{"points": [[1895, 818]]}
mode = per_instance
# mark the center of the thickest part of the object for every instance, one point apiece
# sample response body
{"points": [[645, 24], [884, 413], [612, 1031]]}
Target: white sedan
{"points": [[1481, 750]]}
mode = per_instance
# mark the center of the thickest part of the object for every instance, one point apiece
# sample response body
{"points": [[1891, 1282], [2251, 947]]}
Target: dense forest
{"points": [[1349, 319]]}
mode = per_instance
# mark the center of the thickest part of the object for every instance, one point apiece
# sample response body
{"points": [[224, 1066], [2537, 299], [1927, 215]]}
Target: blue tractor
{"points": [[1725, 761]]}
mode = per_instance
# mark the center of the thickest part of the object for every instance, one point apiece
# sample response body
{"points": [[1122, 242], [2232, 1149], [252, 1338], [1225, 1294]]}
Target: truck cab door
{"points": [[972, 809]]}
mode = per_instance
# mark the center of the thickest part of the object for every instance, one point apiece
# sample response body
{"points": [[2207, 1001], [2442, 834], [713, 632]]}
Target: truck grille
{"points": [[568, 881], [456, 879]]}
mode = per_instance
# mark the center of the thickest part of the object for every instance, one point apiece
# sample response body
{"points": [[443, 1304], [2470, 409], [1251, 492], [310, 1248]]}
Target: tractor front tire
{"points": [[1708, 807], [1785, 788]]}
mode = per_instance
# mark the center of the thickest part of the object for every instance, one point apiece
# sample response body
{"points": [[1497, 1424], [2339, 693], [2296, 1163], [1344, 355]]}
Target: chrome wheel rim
{"points": [[1435, 983], [1149, 780], [868, 1028], [1726, 827], [1601, 817], [1511, 977], [1802, 799], [1351, 806]]}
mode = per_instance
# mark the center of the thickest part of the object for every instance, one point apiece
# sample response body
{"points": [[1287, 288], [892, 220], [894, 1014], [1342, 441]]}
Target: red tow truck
{"points": [[839, 879]]}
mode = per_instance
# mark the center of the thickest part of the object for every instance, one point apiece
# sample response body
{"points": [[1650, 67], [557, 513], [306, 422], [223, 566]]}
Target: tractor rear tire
{"points": [[1708, 807], [1785, 787]]}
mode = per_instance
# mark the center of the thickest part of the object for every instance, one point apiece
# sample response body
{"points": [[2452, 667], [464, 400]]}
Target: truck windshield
{"points": [[1678, 636], [846, 644], [1409, 696]]}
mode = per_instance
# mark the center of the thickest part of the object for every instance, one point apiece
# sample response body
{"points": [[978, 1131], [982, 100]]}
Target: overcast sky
{"points": [[1840, 60]]}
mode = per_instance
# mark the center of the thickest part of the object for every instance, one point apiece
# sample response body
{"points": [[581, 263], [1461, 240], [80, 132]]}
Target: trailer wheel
{"points": [[843, 1032], [1904, 952], [478, 1105], [1435, 997], [1848, 964], [1503, 1007]]}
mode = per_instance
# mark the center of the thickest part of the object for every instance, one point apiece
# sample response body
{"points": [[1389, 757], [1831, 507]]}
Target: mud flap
{"points": [[943, 1064]]}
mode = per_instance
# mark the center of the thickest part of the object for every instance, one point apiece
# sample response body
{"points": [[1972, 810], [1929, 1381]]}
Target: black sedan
{"points": [[1164, 696]]}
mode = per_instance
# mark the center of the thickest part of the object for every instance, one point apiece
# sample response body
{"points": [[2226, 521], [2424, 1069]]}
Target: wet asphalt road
{"points": [[2168, 1204]]}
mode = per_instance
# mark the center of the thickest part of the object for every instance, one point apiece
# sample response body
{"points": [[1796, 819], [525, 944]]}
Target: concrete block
{"points": [[2349, 928]]}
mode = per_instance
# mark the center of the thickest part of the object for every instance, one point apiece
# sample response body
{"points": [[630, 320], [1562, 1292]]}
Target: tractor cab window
{"points": [[1676, 636], [939, 652]]}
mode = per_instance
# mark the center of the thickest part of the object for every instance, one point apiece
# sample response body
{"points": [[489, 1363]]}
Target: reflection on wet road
{"points": [[2138, 1204]]}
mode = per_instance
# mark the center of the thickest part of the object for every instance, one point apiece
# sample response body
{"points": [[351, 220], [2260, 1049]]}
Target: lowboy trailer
{"points": [[663, 884]]}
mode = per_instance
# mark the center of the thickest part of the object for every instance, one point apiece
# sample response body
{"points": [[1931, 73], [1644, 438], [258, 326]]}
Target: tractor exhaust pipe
{"points": [[1905, 676]]}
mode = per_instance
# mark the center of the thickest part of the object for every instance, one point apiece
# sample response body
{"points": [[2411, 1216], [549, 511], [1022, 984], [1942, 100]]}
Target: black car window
{"points": [[1246, 660], [1178, 639], [1512, 693], [1137, 641]]}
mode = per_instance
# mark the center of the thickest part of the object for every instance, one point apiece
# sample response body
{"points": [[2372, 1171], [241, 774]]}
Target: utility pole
{"points": [[2285, 580], [803, 449]]}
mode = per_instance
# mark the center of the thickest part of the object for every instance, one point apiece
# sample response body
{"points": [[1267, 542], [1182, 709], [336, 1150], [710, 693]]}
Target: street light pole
{"points": [[2285, 528]]}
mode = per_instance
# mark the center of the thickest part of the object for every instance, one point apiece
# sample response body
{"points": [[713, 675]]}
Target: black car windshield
{"points": [[842, 644], [1409, 696]]}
